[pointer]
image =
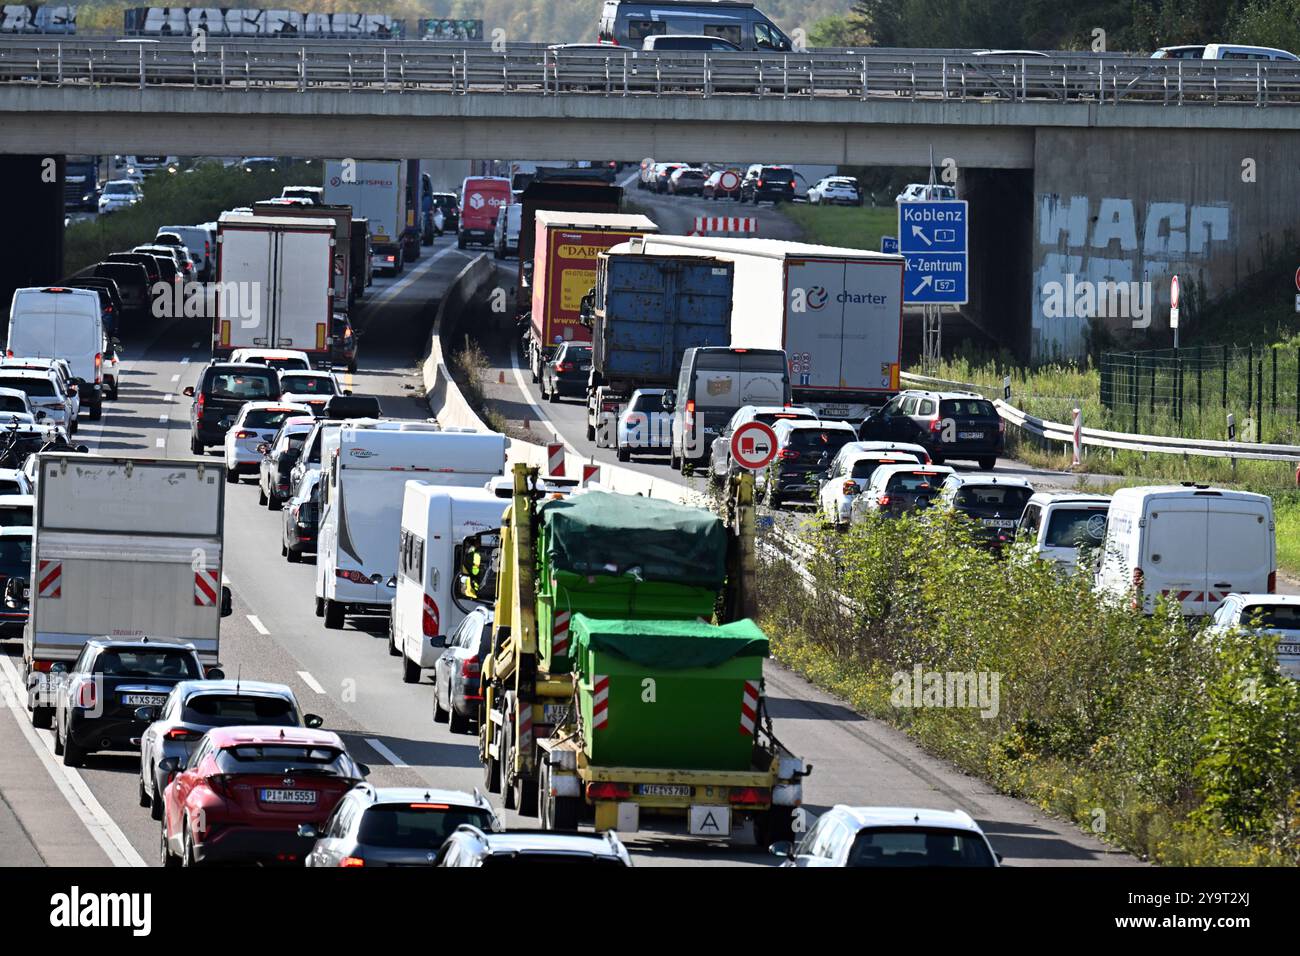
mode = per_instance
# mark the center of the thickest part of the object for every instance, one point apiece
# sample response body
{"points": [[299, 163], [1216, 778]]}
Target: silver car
{"points": [[196, 706]]}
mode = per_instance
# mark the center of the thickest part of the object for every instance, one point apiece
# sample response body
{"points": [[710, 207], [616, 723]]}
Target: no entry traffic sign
{"points": [[753, 445]]}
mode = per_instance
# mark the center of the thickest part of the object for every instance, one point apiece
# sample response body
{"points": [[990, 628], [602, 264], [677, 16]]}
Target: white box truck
{"points": [[123, 547], [365, 469], [435, 520], [275, 285], [376, 191], [837, 313]]}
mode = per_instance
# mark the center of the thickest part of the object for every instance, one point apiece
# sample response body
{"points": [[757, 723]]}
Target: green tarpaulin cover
{"points": [[669, 645], [601, 533]]}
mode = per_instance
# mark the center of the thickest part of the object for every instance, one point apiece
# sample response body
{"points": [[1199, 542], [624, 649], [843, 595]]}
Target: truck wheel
{"points": [[333, 615], [507, 759], [491, 770], [410, 669], [525, 793], [457, 723]]}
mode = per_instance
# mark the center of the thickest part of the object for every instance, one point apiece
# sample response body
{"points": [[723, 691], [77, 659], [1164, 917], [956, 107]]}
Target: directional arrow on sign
{"points": [[919, 233], [924, 283]]}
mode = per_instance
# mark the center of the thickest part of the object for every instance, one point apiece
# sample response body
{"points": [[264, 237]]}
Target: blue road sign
{"points": [[889, 245], [932, 238]]}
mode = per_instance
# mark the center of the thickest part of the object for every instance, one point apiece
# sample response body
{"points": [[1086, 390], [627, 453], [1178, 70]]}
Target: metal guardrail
{"points": [[409, 67], [1124, 441]]}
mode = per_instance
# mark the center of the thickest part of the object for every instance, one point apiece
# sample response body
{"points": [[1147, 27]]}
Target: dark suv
{"points": [[450, 211], [949, 425], [772, 184], [567, 371], [223, 389], [804, 450]]}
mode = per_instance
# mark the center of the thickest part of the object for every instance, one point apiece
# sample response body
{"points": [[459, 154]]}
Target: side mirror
{"points": [[147, 714], [783, 848], [188, 391], [307, 831], [59, 667], [214, 673], [313, 720], [264, 448], [226, 608], [347, 391], [438, 640], [170, 765], [41, 416], [669, 401], [364, 768], [72, 390], [16, 589], [999, 856]]}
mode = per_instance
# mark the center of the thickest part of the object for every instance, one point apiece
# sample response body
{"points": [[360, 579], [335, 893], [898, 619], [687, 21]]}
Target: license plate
{"points": [[970, 436], [835, 411], [998, 522], [144, 700], [663, 790], [554, 713], [288, 796]]}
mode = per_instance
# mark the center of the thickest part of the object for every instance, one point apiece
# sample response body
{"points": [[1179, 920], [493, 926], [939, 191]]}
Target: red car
{"points": [[246, 791]]}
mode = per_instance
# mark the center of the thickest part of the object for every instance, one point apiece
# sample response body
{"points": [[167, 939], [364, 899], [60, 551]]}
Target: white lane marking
{"points": [[384, 752], [176, 377], [196, 345], [541, 415], [162, 419], [91, 812], [393, 290], [185, 360], [160, 443], [311, 682], [258, 626], [168, 397]]}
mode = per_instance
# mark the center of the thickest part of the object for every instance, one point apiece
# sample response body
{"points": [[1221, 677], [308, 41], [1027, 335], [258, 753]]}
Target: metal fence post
{"points": [[1273, 410], [1200, 369], [1224, 352], [1137, 389], [1250, 376], [1259, 404]]}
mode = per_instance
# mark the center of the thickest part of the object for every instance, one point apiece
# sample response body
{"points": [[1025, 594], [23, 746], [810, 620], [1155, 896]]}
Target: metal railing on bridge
{"points": [[396, 67]]}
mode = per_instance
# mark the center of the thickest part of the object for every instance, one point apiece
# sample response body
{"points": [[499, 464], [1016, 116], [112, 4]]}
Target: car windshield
{"points": [[577, 353], [918, 847], [10, 486], [819, 440], [1075, 527], [307, 384], [140, 662], [1006, 500], [16, 555], [966, 408], [267, 417], [653, 402], [417, 826], [778, 175], [16, 516], [285, 758], [231, 710], [119, 189], [531, 858], [29, 386], [911, 482], [242, 385], [866, 467], [12, 403], [1283, 617]]}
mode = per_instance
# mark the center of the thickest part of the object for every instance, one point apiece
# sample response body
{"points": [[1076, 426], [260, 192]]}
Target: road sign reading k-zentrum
{"points": [[932, 238]]}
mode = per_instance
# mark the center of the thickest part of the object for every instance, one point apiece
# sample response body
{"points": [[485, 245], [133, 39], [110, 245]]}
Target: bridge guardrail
{"points": [[397, 67]]}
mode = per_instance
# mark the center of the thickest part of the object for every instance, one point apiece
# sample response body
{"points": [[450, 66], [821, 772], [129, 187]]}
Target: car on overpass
{"points": [[631, 23], [119, 194]]}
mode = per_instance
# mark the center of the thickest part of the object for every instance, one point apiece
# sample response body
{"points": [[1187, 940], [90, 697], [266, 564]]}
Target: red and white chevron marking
{"points": [[749, 708], [1210, 596], [703, 224], [560, 634], [525, 727], [205, 587], [49, 578], [599, 701]]}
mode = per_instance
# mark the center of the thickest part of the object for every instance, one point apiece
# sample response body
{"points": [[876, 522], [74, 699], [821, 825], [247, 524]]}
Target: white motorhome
{"points": [[365, 470], [426, 607], [62, 323], [124, 547], [1190, 543]]}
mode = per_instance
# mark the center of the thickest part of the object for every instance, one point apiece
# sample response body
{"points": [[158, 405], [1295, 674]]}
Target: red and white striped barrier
{"points": [[49, 576], [749, 708], [743, 224], [599, 701], [560, 634], [555, 459], [590, 475], [205, 587]]}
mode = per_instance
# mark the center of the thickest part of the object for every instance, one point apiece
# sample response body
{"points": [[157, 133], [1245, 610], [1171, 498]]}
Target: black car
{"points": [[450, 211], [343, 343], [97, 699], [223, 389], [995, 505], [301, 519], [150, 263], [281, 454], [774, 184], [132, 282], [567, 371], [804, 451], [110, 300], [949, 425], [15, 566], [456, 690]]}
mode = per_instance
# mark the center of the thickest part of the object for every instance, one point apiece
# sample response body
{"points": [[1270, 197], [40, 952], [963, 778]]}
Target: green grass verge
{"points": [[851, 227]]}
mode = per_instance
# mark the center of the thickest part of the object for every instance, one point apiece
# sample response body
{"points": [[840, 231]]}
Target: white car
{"points": [[62, 372], [280, 359], [1264, 615], [14, 482], [17, 511], [312, 389], [926, 192], [119, 194], [14, 402], [895, 490], [835, 189], [257, 422], [890, 837], [848, 477], [1056, 525], [45, 392], [643, 425]]}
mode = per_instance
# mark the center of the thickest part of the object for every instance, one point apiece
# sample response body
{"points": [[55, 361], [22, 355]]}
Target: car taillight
{"points": [[608, 791], [351, 861], [86, 694], [429, 619], [180, 733], [42, 666], [788, 454], [1272, 582], [390, 258], [936, 425], [690, 406], [564, 366], [759, 183], [99, 365], [850, 487], [751, 795], [469, 667], [198, 403], [9, 353], [356, 577], [245, 434], [885, 500]]}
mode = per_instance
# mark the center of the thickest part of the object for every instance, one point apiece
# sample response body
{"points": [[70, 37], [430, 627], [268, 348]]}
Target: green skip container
{"points": [[622, 556], [680, 695]]}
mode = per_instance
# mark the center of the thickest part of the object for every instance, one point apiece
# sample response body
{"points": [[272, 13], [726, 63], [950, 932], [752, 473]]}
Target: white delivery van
{"points": [[365, 470], [426, 608], [1191, 543], [62, 323], [1057, 524], [124, 547]]}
